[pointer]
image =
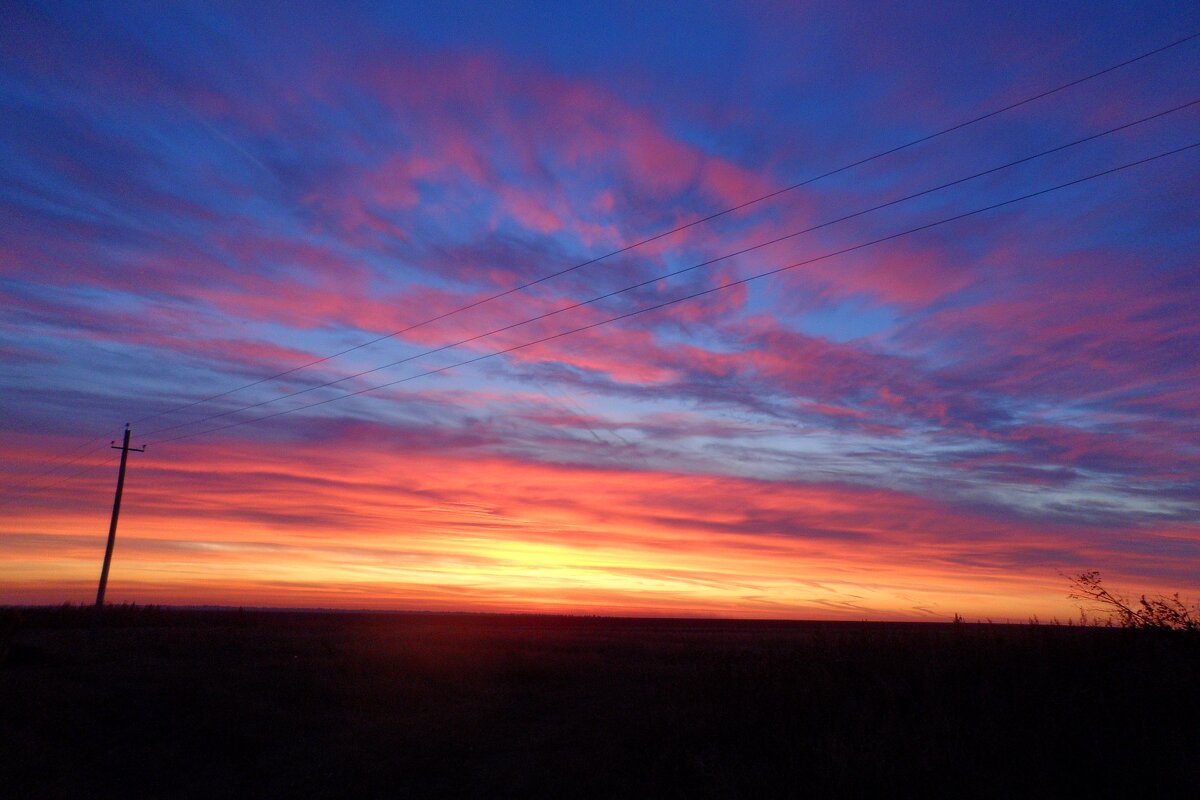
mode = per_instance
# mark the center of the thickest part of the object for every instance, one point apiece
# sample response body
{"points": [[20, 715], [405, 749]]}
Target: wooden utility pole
{"points": [[112, 526]]}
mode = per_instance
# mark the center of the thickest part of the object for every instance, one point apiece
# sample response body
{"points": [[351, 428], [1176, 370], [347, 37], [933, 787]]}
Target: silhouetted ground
{"points": [[157, 702]]}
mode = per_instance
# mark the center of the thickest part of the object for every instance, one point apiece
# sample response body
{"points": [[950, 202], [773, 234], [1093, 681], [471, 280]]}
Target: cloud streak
{"points": [[943, 422]]}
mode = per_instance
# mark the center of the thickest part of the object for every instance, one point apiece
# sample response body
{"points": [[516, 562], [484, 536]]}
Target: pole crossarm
{"points": [[116, 512]]}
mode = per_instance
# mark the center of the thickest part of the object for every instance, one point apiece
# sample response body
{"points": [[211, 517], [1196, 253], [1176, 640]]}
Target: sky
{"points": [[354, 272]]}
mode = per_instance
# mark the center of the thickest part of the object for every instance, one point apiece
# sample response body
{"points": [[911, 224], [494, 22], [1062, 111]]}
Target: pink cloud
{"points": [[230, 508]]}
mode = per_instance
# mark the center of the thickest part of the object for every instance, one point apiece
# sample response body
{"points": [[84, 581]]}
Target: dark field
{"points": [[151, 702]]}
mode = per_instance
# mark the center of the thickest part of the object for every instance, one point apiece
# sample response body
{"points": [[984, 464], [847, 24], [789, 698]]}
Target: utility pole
{"points": [[112, 527]]}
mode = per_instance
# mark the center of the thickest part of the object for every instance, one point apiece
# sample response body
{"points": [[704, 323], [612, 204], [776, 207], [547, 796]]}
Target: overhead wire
{"points": [[687, 225], [694, 295], [677, 229], [29, 479], [29, 490], [674, 273]]}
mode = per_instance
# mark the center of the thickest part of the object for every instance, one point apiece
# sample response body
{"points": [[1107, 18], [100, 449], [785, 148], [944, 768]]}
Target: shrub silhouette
{"points": [[1160, 613]]}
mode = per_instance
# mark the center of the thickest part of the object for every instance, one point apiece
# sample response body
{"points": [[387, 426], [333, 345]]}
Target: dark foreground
{"points": [[151, 702]]}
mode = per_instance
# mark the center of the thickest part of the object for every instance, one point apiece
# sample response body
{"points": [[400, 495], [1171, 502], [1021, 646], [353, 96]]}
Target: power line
{"points": [[677, 229], [28, 490], [58, 467], [686, 226], [673, 273], [694, 295]]}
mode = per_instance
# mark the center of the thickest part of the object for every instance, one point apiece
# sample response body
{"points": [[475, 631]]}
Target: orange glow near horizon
{"points": [[298, 527], [416, 316]]}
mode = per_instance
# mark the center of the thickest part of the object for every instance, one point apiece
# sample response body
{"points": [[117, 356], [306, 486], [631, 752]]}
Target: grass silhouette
{"points": [[1162, 613], [161, 702]]}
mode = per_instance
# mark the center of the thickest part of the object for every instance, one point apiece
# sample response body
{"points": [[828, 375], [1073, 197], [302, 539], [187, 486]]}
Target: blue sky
{"points": [[199, 197]]}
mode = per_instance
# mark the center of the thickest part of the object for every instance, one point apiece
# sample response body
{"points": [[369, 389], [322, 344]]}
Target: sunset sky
{"points": [[195, 198]]}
